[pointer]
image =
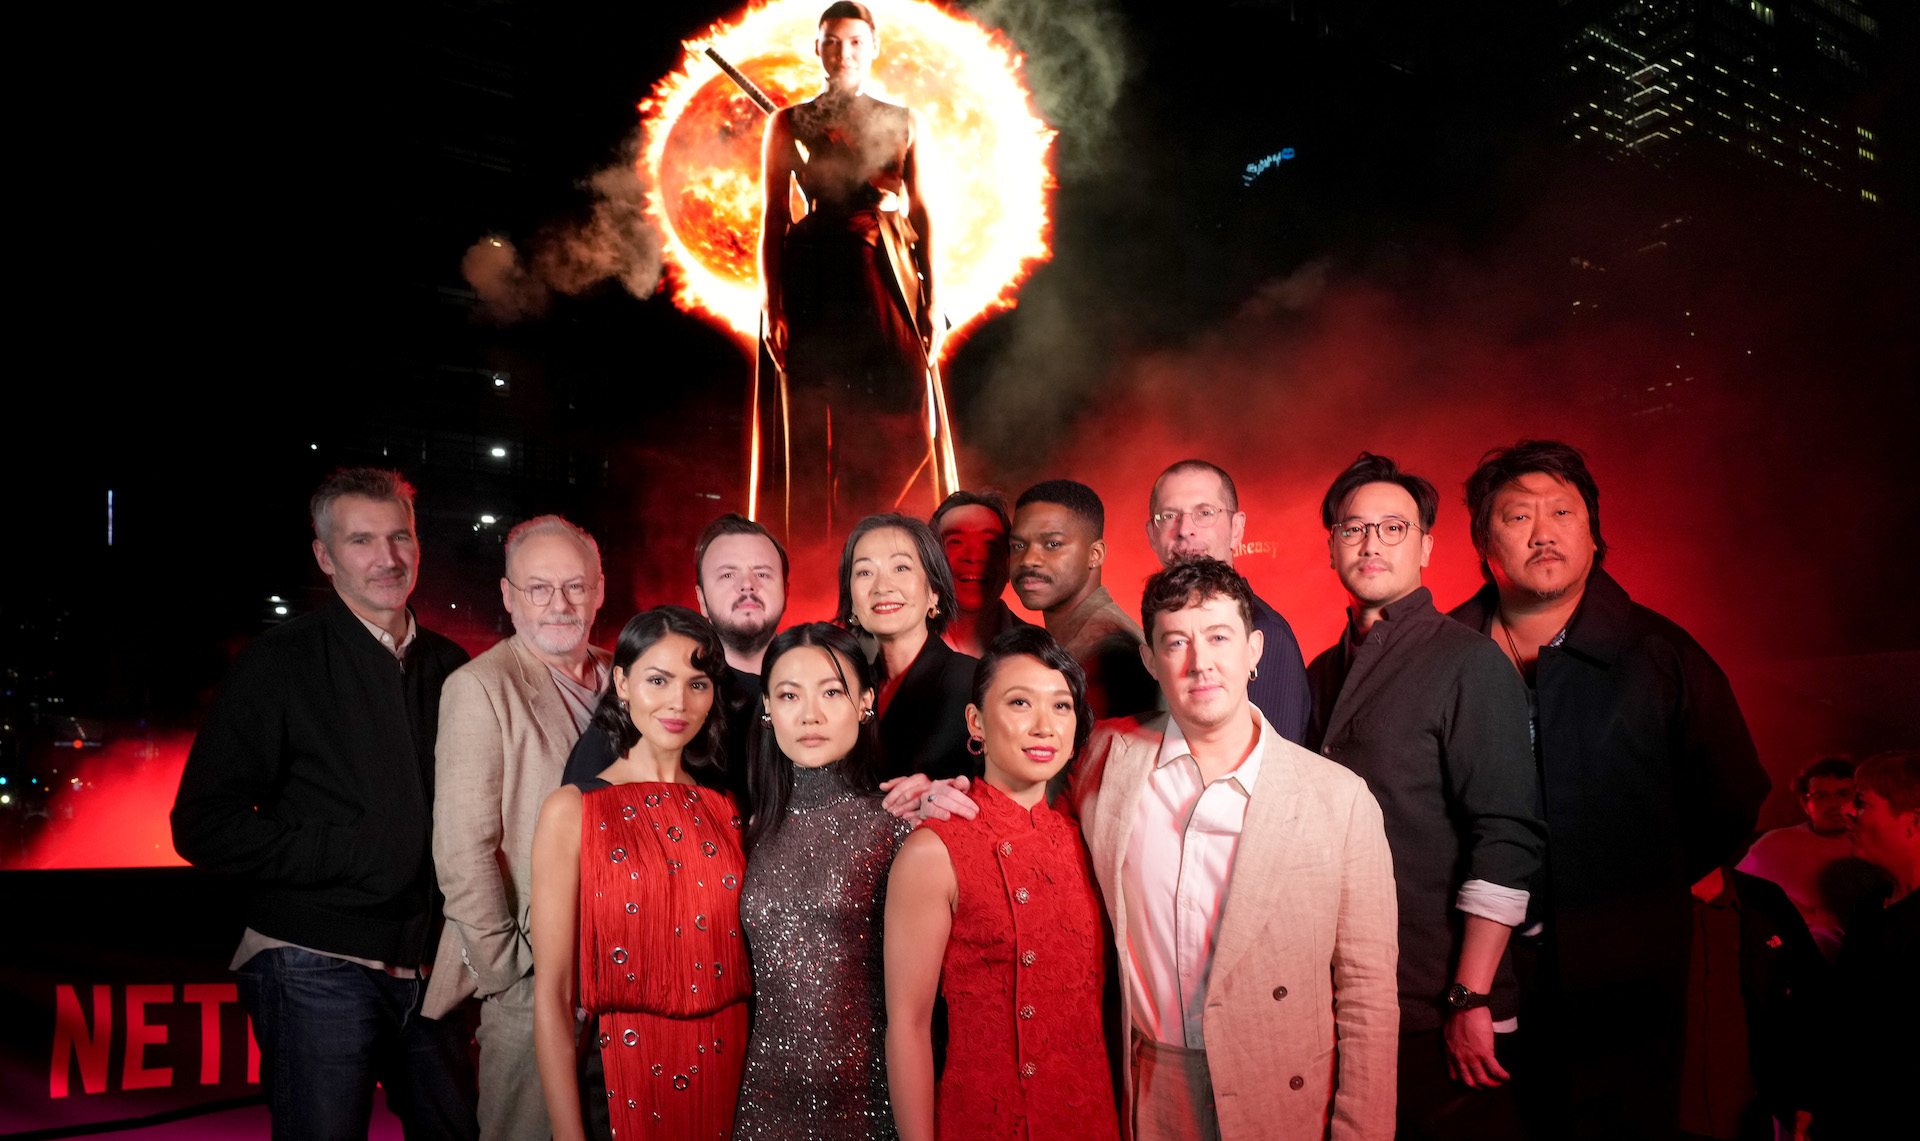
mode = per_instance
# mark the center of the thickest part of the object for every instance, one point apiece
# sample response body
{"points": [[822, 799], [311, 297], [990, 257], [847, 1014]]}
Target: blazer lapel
{"points": [[1270, 843], [1123, 780], [542, 695]]}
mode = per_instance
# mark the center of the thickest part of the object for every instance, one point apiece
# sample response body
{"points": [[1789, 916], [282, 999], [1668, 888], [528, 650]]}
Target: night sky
{"points": [[245, 231]]}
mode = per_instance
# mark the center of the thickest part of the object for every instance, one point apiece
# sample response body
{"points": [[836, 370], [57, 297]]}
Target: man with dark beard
{"points": [[1650, 780], [740, 578], [507, 722]]}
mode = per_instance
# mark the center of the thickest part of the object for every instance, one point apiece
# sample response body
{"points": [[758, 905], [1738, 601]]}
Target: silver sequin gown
{"points": [[812, 904]]}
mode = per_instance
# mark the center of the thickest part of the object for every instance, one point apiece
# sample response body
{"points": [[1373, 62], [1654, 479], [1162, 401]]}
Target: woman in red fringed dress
{"points": [[1001, 916], [636, 901]]}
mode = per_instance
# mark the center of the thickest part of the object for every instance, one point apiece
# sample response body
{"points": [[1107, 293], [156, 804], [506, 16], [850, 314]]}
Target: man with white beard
{"points": [[507, 722]]}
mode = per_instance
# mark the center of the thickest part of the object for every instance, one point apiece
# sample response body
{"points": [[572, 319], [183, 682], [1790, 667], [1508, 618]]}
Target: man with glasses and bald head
{"points": [[508, 719], [1195, 510]]}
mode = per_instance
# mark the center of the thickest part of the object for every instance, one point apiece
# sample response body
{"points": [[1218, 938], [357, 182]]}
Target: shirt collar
{"points": [[386, 639], [1173, 746]]}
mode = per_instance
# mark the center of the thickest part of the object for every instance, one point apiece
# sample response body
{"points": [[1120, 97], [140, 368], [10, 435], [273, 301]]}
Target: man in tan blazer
{"points": [[507, 721], [1251, 894]]}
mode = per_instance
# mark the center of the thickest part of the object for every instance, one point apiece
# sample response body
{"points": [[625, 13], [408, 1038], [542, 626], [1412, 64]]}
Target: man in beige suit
{"points": [[1251, 892], [507, 721]]}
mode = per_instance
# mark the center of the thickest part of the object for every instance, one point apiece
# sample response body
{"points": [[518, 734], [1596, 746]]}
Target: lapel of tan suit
{"points": [[542, 696], [1271, 841], [1122, 781]]}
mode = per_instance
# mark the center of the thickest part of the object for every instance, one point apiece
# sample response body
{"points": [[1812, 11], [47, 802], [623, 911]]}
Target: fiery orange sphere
{"points": [[984, 156]]}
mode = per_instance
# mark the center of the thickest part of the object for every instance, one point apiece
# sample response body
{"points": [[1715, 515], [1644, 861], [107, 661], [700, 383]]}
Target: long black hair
{"points": [[705, 758], [1034, 642], [769, 771], [933, 564]]}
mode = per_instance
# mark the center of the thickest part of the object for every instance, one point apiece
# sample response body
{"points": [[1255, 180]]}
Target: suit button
{"points": [[1296, 1081], [1279, 993]]}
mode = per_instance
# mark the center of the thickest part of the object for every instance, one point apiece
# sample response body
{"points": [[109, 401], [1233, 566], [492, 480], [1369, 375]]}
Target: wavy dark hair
{"points": [[1034, 642], [705, 758], [770, 771], [933, 563], [1191, 582], [1503, 466]]}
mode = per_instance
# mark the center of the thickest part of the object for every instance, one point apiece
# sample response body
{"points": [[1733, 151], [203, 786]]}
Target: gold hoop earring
{"points": [[933, 611]]}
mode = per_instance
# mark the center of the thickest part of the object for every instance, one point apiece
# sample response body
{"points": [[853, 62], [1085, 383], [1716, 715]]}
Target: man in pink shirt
{"points": [[1813, 862]]}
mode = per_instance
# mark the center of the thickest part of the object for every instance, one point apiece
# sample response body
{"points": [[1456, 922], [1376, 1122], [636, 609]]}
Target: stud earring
{"points": [[866, 715], [623, 705], [766, 719]]}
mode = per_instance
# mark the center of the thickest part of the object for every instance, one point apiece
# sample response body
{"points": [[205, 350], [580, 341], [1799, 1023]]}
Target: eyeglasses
{"points": [[1392, 532], [541, 593], [1203, 516], [1830, 797]]}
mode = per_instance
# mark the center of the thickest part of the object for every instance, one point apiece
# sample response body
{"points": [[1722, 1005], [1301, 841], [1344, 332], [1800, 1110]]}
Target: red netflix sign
{"points": [[116, 1003]]}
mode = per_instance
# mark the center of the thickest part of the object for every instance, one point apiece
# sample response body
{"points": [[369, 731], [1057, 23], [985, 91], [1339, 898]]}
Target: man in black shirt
{"points": [[1435, 719], [1649, 778], [311, 784], [1195, 510]]}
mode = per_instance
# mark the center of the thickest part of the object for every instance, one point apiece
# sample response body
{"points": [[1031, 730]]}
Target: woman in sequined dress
{"points": [[1000, 915], [636, 900], [818, 851]]}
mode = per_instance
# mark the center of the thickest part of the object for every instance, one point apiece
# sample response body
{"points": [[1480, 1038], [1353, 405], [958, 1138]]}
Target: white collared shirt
{"points": [[397, 649], [1178, 864]]}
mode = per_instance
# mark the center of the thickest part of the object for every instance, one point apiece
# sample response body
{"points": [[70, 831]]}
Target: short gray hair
{"points": [[551, 525], [373, 483]]}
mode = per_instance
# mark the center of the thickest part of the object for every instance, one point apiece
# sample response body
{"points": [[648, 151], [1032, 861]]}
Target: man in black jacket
{"points": [[1650, 780], [1435, 719], [311, 784]]}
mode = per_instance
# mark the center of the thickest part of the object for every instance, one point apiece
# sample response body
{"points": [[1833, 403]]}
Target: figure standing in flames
{"points": [[850, 317]]}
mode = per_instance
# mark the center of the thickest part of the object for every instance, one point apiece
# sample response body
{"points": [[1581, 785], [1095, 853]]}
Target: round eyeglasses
{"points": [[1392, 532], [1202, 516], [541, 593]]}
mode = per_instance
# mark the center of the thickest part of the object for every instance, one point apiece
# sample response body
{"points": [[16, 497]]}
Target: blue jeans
{"points": [[329, 1029]]}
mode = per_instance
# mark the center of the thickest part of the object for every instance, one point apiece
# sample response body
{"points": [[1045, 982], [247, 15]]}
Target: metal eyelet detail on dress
{"points": [[674, 865], [619, 854], [696, 822], [680, 1081], [606, 1039], [736, 822], [1027, 1011], [1027, 1070], [633, 909], [694, 1070], [633, 875], [658, 1069], [717, 971], [700, 922], [619, 955], [1026, 957], [676, 930], [603, 826], [631, 1038], [710, 848], [1006, 847], [632, 1104], [631, 977], [700, 1047], [729, 882], [627, 812], [653, 800], [673, 833], [1020, 895]]}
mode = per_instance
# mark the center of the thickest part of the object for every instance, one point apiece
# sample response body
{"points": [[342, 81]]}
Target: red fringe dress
{"points": [[662, 960], [1023, 975]]}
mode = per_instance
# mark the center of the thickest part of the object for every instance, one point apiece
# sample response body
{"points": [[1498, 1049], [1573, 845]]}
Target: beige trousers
{"points": [[512, 1106], [1172, 1093]]}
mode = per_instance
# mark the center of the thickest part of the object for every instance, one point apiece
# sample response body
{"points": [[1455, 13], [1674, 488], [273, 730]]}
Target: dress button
{"points": [[1026, 1011], [1296, 1081], [1020, 894], [1279, 993], [1027, 958], [1006, 847], [1027, 1070]]}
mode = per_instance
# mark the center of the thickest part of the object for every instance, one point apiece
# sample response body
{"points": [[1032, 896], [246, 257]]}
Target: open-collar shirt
{"points": [[1179, 862]]}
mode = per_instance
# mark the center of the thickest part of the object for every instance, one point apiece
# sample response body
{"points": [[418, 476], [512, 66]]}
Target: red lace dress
{"points": [[1025, 965], [661, 957]]}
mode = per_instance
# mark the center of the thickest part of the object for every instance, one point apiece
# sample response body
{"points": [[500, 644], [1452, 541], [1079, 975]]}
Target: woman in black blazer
{"points": [[896, 588]]}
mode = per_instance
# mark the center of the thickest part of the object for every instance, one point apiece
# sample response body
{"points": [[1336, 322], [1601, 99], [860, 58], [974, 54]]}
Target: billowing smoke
{"points": [[614, 241], [1076, 64]]}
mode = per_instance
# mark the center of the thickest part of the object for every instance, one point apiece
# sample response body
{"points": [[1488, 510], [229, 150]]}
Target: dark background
{"points": [[244, 228]]}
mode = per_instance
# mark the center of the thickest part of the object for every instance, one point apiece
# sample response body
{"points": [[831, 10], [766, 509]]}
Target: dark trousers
{"points": [[1434, 1107], [329, 1029]]}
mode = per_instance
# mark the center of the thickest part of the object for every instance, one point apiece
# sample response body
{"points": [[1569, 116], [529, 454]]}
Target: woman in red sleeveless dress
{"points": [[1001, 916], [636, 900]]}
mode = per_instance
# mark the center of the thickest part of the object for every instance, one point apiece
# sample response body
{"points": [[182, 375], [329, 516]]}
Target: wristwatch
{"points": [[1460, 998]]}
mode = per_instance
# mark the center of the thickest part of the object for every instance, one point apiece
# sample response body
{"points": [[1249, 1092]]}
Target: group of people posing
{"points": [[930, 871]]}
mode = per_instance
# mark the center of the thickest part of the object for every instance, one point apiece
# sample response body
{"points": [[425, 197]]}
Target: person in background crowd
{"points": [[896, 588], [1435, 719], [1055, 551], [1753, 990], [1872, 1050], [1814, 860], [311, 784], [1250, 890], [813, 898], [507, 722], [1028, 1056], [740, 578], [1650, 781], [636, 900], [972, 527], [1195, 510]]}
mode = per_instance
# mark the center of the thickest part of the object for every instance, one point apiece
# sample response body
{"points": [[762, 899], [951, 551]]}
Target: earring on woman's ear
{"points": [[976, 745], [623, 705], [866, 715], [853, 621], [1253, 673], [933, 611], [766, 719]]}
